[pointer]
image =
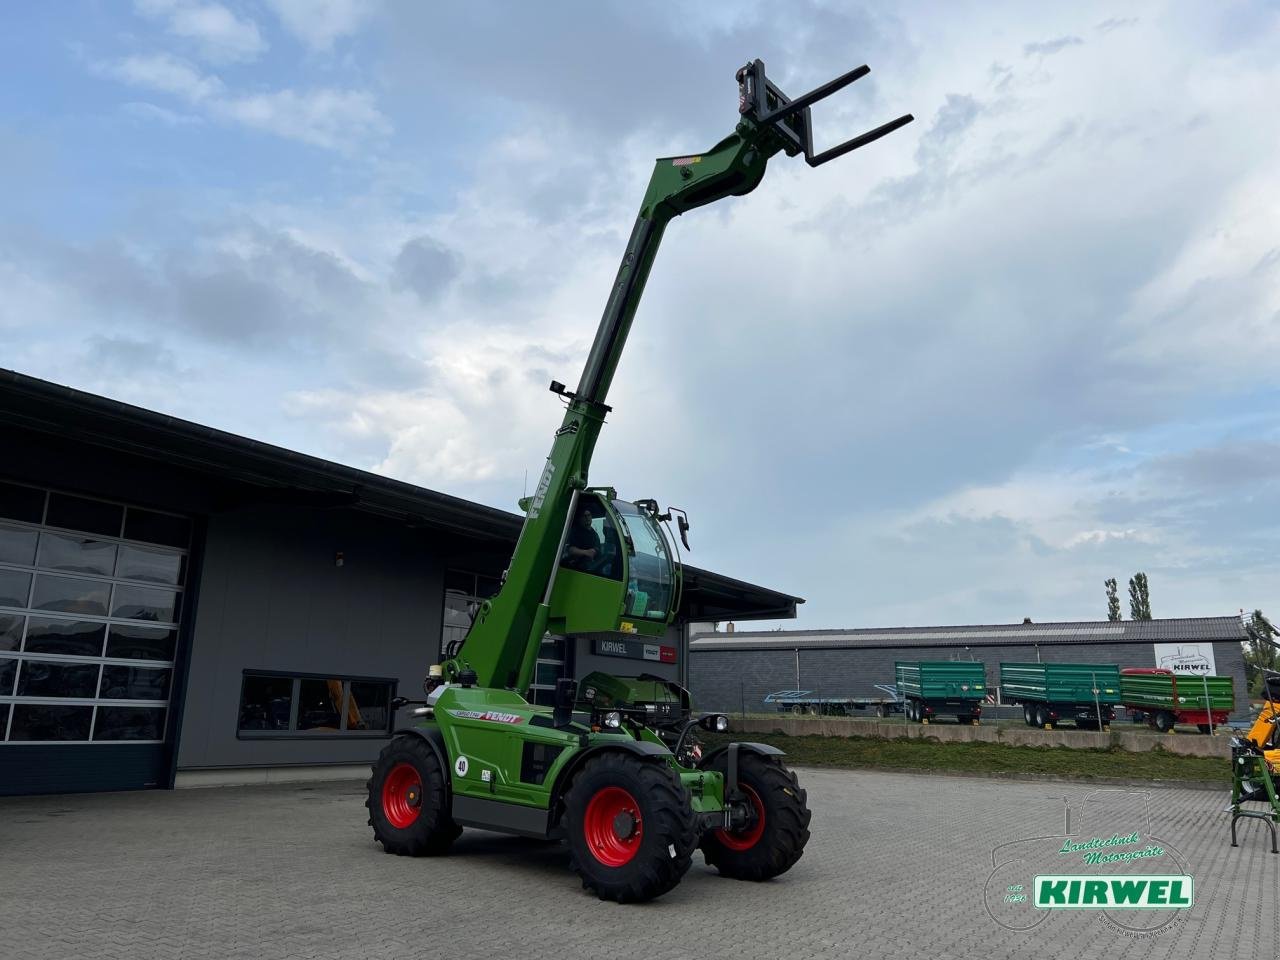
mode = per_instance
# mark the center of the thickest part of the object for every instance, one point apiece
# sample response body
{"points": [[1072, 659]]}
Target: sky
{"points": [[1028, 342]]}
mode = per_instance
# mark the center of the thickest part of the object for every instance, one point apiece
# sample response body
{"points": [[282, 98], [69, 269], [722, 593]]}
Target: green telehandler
{"points": [[613, 769]]}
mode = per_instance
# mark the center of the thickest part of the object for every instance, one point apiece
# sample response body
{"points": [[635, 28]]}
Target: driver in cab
{"points": [[584, 549]]}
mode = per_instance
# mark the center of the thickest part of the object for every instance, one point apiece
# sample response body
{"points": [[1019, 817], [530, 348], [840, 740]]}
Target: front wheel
{"points": [[1164, 721], [776, 836], [408, 800], [629, 827]]}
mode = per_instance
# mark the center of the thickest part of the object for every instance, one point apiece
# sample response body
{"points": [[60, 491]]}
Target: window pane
{"points": [[157, 528], [149, 563], [4, 719], [42, 678], [265, 703], [71, 596], [72, 637], [546, 674], [129, 723], [10, 631], [91, 516], [17, 545], [8, 670], [40, 721], [134, 683], [318, 704], [15, 586], [64, 551], [370, 706], [145, 603], [140, 643], [21, 503]]}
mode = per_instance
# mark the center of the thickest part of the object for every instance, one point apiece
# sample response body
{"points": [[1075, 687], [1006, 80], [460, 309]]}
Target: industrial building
{"points": [[179, 604], [734, 672]]}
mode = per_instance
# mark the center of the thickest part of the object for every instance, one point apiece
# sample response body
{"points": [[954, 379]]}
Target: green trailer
{"points": [[1163, 699], [1086, 693], [930, 688]]}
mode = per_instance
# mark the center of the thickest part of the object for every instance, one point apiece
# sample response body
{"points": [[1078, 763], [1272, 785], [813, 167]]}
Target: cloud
{"points": [[220, 35], [165, 73], [1047, 48], [426, 267], [344, 120], [320, 23]]}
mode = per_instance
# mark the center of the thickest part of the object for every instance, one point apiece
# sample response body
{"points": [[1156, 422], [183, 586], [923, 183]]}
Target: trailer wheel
{"points": [[629, 827], [882, 711], [1164, 721], [1204, 728], [773, 843], [1028, 715], [407, 800], [1042, 717]]}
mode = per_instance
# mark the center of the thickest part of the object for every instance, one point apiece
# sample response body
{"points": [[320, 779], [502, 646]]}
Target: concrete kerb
{"points": [[1193, 745]]}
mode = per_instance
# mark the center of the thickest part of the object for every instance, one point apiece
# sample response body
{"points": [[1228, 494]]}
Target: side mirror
{"points": [[566, 697]]}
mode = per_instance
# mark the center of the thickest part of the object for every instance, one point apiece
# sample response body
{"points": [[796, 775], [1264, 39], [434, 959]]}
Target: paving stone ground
{"points": [[897, 867]]}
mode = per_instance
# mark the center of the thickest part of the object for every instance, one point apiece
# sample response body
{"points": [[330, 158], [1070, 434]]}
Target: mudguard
{"points": [[764, 749], [644, 748], [435, 739]]}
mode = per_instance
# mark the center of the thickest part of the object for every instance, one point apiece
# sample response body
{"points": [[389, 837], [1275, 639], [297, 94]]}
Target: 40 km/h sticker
{"points": [[460, 766]]}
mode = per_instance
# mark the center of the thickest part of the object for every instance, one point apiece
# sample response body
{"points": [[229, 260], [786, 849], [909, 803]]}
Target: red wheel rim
{"points": [[748, 837], [612, 826], [402, 795]]}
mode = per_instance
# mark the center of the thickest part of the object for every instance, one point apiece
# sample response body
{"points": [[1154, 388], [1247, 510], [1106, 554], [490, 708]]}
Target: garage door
{"points": [[91, 599]]}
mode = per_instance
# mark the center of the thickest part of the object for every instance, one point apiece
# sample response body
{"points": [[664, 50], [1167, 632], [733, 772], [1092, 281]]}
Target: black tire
{"points": [[774, 849], [882, 711], [1028, 715], [1164, 721], [1204, 728], [660, 848], [1042, 717], [408, 819]]}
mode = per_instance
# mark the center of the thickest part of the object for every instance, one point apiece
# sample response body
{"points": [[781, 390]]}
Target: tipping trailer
{"points": [[1087, 693], [801, 702], [1163, 698], [931, 688]]}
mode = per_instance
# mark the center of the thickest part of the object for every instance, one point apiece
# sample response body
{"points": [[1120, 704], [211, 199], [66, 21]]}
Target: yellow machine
{"points": [[1255, 763]]}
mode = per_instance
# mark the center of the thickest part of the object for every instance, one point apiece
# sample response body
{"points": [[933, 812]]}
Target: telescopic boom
{"points": [[502, 645]]}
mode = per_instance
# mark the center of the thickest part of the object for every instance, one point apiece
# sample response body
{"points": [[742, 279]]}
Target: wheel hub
{"points": [[624, 825]]}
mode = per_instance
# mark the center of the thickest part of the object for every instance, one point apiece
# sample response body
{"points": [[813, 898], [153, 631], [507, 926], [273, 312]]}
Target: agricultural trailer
{"points": [[933, 688], [1086, 693], [1162, 698]]}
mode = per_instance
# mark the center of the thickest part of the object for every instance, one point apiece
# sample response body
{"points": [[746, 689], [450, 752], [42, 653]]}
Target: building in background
{"points": [[180, 604], [733, 672]]}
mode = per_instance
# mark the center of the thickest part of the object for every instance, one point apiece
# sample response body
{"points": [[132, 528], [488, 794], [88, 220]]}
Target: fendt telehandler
{"points": [[613, 769]]}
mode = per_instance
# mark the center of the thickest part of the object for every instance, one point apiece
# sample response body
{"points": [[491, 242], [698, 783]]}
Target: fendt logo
{"points": [[1099, 893]]}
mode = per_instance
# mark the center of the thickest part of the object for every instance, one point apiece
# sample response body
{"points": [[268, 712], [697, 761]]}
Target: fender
{"points": [[644, 748], [763, 749], [435, 740]]}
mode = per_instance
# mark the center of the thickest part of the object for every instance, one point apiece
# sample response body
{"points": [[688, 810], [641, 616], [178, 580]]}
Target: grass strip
{"points": [[990, 758]]}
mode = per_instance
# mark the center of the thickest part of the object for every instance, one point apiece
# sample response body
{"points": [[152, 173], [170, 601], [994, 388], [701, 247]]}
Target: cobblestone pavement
{"points": [[897, 867]]}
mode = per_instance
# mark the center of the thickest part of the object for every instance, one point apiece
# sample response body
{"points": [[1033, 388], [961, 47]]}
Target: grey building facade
{"points": [[176, 600], [733, 672]]}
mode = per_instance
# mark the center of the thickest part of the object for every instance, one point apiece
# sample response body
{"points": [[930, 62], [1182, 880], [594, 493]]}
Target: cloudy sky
{"points": [[1029, 342]]}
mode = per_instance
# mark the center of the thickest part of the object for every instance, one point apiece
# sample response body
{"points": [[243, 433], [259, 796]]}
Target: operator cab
{"points": [[619, 571]]}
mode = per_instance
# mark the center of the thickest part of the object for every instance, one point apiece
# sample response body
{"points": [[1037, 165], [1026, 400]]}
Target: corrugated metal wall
{"points": [[731, 680]]}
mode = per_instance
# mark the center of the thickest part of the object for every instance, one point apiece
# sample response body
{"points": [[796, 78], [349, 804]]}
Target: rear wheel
{"points": [[1204, 728], [1028, 715], [629, 827], [775, 838], [1042, 717], [408, 801], [1164, 721]]}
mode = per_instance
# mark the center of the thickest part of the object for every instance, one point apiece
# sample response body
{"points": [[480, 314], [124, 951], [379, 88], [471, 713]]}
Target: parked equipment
{"points": [[942, 687], [1255, 763], [1162, 698], [800, 702], [614, 769], [1086, 693]]}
